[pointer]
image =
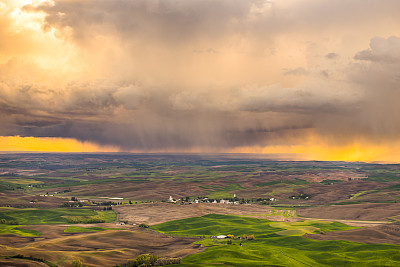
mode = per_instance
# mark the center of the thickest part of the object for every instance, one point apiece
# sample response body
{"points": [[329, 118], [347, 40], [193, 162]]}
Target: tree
{"points": [[77, 263], [143, 225]]}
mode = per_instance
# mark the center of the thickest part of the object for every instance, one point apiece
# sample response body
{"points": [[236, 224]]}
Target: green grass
{"points": [[297, 181], [18, 180], [296, 251], [384, 175], [362, 193], [331, 226], [77, 229], [294, 228], [15, 229], [286, 212], [222, 192], [271, 249], [348, 203], [55, 216], [215, 224]]}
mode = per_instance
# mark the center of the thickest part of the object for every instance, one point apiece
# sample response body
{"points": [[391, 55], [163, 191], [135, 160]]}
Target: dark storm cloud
{"points": [[186, 74]]}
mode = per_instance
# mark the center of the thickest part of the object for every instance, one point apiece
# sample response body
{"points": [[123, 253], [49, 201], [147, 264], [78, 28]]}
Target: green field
{"points": [[215, 224], [15, 229], [272, 248], [77, 229], [55, 216]]}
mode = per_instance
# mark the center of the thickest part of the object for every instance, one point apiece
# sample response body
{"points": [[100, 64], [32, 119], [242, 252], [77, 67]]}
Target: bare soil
{"points": [[389, 233], [366, 211], [21, 263], [104, 248], [18, 198], [158, 190], [154, 213]]}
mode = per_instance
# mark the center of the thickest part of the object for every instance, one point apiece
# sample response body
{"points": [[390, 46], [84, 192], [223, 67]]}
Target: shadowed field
{"points": [[48, 200], [21, 263], [103, 248]]}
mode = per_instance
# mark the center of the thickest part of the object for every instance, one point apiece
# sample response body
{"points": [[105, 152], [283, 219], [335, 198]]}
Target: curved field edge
{"points": [[268, 248], [15, 229], [55, 216], [78, 229], [30, 258]]}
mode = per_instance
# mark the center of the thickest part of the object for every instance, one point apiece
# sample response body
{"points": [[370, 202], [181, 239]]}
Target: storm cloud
{"points": [[209, 75]]}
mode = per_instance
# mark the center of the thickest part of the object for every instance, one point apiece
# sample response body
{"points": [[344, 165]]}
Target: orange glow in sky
{"points": [[49, 144], [220, 77], [309, 150], [358, 151]]}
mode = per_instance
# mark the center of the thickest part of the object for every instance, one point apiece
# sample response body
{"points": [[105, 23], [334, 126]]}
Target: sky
{"points": [[317, 79]]}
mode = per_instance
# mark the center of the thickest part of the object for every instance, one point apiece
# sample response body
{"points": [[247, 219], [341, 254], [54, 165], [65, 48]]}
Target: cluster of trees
{"points": [[107, 204], [82, 219], [10, 222], [72, 205], [301, 196], [110, 203], [246, 237], [20, 256], [77, 263], [146, 260], [75, 204]]}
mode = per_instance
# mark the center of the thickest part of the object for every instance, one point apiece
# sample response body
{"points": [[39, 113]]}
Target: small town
{"points": [[234, 200]]}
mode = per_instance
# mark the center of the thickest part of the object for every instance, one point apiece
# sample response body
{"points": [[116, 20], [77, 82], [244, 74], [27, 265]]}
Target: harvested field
{"points": [[155, 213], [367, 211], [321, 194], [105, 248], [20, 199], [389, 233], [138, 190], [21, 263]]}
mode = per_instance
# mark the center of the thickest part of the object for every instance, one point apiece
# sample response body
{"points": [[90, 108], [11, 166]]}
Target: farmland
{"points": [[64, 207], [271, 246]]}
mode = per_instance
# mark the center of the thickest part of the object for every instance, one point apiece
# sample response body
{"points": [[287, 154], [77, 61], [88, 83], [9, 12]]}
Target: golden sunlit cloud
{"points": [[318, 149], [50, 144], [202, 77]]}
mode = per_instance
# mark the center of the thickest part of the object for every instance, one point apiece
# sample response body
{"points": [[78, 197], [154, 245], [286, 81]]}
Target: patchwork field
{"points": [[96, 208], [154, 213], [367, 212], [273, 246], [99, 248], [388, 233]]}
